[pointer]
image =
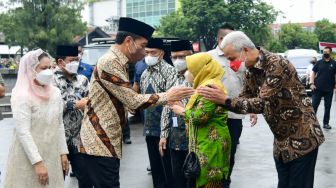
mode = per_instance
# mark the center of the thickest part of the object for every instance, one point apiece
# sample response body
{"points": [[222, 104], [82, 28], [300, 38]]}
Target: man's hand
{"points": [[253, 119], [179, 110], [312, 87], [81, 103], [213, 94], [65, 164], [162, 146], [178, 93]]}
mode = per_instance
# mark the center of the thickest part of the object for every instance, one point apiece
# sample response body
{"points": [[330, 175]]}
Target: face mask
{"points": [[72, 67], [44, 77], [180, 64], [151, 61], [326, 56]]}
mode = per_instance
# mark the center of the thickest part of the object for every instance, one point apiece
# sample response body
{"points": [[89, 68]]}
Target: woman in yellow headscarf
{"points": [[207, 122]]}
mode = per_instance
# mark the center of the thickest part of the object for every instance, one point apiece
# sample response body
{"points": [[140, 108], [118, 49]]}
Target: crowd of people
{"points": [[73, 114]]}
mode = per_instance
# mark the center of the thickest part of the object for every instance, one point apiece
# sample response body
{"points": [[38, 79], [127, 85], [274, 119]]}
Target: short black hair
{"points": [[329, 48], [40, 57], [226, 26], [121, 36]]}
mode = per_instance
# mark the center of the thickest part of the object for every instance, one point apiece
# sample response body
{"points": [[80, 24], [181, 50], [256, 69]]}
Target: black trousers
{"points": [[103, 172], [177, 160], [126, 131], [235, 129], [298, 173], [78, 168], [160, 166], [316, 99]]}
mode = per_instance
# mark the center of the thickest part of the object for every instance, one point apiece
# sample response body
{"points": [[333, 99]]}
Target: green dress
{"points": [[213, 141]]}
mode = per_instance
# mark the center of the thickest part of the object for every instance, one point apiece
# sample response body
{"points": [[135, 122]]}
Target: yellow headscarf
{"points": [[206, 71]]}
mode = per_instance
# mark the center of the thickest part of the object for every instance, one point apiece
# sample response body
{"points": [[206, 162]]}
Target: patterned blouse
{"points": [[272, 87], [71, 91]]}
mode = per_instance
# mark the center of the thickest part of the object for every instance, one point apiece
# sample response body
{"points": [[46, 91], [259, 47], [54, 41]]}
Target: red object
{"points": [[234, 65]]}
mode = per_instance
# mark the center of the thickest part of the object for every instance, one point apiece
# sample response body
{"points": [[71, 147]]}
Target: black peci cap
{"points": [[136, 27], [67, 50], [180, 45], [155, 43]]}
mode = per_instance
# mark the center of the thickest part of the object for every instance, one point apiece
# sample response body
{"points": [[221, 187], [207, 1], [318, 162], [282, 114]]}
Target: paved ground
{"points": [[254, 165]]}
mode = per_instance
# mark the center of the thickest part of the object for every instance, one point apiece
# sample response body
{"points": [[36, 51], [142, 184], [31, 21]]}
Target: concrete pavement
{"points": [[254, 161]]}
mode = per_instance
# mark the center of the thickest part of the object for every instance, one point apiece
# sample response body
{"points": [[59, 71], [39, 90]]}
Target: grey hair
{"points": [[238, 39]]}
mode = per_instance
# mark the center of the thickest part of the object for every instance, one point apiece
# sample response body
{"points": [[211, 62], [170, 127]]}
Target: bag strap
{"points": [[192, 135]]}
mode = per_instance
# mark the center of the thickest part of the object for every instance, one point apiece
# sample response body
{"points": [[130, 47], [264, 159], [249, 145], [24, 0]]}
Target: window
{"points": [[171, 5]]}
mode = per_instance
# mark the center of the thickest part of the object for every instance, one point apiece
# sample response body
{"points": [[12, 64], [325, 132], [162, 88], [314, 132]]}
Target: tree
{"points": [[293, 36], [42, 24], [275, 46], [325, 31], [198, 19]]}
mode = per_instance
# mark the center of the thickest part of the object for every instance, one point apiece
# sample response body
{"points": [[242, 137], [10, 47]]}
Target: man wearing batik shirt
{"points": [[74, 90], [109, 93], [173, 130], [157, 78], [273, 88]]}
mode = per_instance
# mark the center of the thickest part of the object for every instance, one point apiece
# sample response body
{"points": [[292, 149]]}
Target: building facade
{"points": [[150, 11]]}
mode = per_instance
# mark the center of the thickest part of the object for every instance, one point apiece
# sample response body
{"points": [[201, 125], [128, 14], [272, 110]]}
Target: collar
{"points": [[263, 54], [60, 75], [156, 67], [219, 51], [122, 57]]}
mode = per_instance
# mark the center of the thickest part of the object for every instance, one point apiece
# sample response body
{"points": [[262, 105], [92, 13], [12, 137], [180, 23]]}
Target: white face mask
{"points": [[151, 61], [72, 67], [180, 64], [44, 77]]}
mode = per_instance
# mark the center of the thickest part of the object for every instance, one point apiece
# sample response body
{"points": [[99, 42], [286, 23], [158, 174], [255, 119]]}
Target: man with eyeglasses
{"points": [[157, 78]]}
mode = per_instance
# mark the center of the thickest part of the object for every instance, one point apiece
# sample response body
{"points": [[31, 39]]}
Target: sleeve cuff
{"points": [[162, 99]]}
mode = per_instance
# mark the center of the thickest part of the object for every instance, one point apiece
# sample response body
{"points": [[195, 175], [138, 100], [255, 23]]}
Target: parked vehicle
{"points": [[301, 58]]}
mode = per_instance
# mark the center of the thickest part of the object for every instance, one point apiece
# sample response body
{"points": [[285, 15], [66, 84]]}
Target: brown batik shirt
{"points": [[272, 87], [109, 93]]}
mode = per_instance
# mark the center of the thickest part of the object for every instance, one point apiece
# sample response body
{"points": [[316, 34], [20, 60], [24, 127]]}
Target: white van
{"points": [[301, 58]]}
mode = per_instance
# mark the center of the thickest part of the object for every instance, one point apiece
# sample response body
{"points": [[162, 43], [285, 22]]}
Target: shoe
{"points": [[327, 126], [127, 141]]}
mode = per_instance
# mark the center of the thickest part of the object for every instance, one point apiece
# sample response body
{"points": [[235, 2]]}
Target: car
{"points": [[301, 58]]}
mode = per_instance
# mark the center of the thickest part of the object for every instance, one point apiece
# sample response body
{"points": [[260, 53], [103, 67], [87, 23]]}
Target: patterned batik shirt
{"points": [[72, 91], [175, 131], [272, 87], [109, 93], [157, 78]]}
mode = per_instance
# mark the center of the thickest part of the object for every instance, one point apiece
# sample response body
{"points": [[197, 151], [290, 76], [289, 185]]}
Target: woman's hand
{"points": [[42, 173], [177, 109], [65, 164]]}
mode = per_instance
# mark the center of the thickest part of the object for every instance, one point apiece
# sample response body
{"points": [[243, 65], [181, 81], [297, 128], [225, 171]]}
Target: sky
{"points": [[299, 10]]}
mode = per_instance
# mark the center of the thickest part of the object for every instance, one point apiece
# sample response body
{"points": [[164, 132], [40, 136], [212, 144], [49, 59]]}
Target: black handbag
{"points": [[191, 166]]}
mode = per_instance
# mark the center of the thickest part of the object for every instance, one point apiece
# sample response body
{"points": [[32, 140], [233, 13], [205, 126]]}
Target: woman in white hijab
{"points": [[37, 157]]}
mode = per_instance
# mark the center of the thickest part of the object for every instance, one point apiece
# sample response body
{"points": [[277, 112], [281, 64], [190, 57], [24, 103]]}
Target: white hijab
{"points": [[25, 87]]}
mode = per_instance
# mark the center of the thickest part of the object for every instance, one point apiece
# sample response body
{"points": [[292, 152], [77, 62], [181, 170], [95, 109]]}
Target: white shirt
{"points": [[233, 81]]}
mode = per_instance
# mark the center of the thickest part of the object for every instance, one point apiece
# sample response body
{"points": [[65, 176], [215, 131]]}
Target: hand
{"points": [[178, 93], [178, 103], [179, 110], [312, 87], [213, 94], [162, 146], [253, 119], [80, 104], [42, 173], [65, 164]]}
